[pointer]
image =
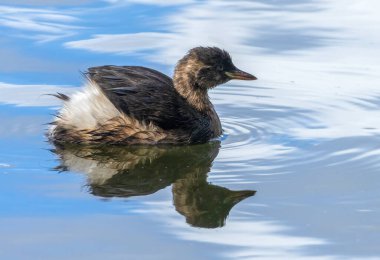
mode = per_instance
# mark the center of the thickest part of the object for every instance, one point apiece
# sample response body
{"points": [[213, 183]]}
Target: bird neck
{"points": [[186, 85], [197, 97]]}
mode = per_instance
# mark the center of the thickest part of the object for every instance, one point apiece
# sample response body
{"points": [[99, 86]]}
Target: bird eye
{"points": [[219, 67]]}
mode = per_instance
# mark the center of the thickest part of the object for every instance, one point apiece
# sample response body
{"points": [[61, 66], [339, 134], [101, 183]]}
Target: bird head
{"points": [[207, 67]]}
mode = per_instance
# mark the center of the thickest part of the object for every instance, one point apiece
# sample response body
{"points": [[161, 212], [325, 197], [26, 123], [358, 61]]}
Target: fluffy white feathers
{"points": [[87, 109]]}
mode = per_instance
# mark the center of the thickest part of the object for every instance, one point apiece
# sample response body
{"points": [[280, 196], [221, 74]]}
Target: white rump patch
{"points": [[87, 109]]}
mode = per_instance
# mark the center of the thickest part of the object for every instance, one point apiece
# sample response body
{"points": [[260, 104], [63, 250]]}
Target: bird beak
{"points": [[238, 74], [237, 196]]}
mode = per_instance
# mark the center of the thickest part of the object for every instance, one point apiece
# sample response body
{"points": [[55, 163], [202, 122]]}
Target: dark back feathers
{"points": [[144, 94]]}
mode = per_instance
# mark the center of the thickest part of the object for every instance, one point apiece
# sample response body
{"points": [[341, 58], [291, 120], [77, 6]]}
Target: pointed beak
{"points": [[237, 196], [239, 74]]}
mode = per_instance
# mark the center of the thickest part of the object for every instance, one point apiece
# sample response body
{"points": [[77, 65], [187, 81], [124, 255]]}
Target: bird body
{"points": [[138, 105]]}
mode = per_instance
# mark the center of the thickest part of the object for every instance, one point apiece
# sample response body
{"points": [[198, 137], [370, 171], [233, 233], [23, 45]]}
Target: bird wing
{"points": [[144, 94]]}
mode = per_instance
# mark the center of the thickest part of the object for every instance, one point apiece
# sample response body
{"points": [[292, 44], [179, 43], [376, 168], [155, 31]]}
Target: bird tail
{"points": [[60, 96]]}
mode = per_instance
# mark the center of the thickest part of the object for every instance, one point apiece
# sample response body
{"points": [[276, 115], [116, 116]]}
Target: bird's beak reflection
{"points": [[239, 74]]}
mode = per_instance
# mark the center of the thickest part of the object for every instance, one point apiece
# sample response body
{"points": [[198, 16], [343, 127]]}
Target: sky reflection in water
{"points": [[304, 136]]}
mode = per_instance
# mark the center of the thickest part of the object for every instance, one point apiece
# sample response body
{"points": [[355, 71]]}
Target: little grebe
{"points": [[138, 105]]}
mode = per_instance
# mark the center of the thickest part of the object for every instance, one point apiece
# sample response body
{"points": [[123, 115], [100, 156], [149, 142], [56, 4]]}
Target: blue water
{"points": [[295, 176]]}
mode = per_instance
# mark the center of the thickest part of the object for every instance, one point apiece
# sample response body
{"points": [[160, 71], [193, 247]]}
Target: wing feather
{"points": [[144, 94]]}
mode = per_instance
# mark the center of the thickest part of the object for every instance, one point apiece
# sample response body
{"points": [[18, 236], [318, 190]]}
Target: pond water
{"points": [[296, 174]]}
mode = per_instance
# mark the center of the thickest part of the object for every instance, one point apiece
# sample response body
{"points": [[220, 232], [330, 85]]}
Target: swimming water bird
{"points": [[138, 105]]}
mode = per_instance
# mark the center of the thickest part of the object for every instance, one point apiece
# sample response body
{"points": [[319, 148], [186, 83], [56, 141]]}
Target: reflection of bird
{"points": [[128, 105], [204, 204], [115, 171]]}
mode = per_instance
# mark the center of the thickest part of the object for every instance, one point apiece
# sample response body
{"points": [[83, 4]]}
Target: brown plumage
{"points": [[134, 105]]}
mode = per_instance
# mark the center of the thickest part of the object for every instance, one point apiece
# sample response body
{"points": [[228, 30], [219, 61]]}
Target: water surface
{"points": [[295, 176]]}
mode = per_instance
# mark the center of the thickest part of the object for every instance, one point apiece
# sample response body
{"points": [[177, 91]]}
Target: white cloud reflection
{"points": [[31, 95], [151, 2], [44, 2], [123, 43], [40, 24], [244, 239]]}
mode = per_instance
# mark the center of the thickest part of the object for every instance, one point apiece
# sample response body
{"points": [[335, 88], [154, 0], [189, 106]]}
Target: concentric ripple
{"points": [[267, 131]]}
